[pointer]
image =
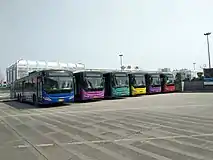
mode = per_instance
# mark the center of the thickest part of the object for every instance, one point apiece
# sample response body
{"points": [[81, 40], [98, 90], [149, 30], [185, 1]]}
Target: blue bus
{"points": [[45, 87]]}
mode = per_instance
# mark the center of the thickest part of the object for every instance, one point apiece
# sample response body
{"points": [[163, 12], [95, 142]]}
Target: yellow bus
{"points": [[137, 83]]}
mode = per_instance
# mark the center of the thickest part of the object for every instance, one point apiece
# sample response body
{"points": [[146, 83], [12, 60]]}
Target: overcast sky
{"points": [[149, 33]]}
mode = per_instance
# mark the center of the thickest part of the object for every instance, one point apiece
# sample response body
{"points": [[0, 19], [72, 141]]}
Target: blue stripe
{"points": [[208, 79]]}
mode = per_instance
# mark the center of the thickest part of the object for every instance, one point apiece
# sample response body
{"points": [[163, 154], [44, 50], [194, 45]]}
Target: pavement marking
{"points": [[138, 139], [22, 137], [45, 145], [37, 145], [92, 111], [23, 146]]}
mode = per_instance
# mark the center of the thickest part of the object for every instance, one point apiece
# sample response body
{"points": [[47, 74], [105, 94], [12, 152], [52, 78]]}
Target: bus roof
{"points": [[166, 73], [116, 71], [137, 72], [91, 71], [37, 72], [153, 72]]}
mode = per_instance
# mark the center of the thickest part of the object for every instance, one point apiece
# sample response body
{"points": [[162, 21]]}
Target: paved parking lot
{"points": [[171, 126]]}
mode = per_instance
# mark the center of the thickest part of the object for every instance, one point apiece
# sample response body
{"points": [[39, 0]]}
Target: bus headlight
{"points": [[47, 99], [71, 97]]}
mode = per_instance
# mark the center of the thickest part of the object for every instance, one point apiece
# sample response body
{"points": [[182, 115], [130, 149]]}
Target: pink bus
{"points": [[89, 85]]}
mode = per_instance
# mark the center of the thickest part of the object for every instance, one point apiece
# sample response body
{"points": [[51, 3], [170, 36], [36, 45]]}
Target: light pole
{"points": [[121, 60], [194, 66], [207, 35], [194, 69]]}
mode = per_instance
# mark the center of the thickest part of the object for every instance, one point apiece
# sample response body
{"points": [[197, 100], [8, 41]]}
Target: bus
{"points": [[45, 87], [137, 83], [116, 84], [167, 82], [153, 83], [89, 85], [3, 84]]}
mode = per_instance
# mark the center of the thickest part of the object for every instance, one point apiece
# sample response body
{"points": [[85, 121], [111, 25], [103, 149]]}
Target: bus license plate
{"points": [[60, 100]]}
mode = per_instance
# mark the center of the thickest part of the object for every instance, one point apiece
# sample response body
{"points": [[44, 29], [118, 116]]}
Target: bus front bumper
{"points": [[138, 91], [52, 100]]}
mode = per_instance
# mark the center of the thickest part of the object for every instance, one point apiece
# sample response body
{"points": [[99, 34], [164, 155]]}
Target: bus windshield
{"points": [[120, 81], [155, 80], [58, 84], [139, 81], [94, 83], [169, 79]]}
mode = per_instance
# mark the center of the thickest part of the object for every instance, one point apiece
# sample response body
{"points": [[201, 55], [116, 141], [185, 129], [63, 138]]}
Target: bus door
{"points": [[39, 88], [148, 82], [22, 88], [107, 83], [162, 80]]}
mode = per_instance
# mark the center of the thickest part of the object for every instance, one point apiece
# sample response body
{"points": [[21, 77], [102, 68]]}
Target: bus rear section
{"points": [[116, 84], [89, 85], [46, 87], [153, 83], [167, 82], [137, 83]]}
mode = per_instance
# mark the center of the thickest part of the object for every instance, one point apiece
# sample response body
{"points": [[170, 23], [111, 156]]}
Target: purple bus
{"points": [[153, 82], [89, 85]]}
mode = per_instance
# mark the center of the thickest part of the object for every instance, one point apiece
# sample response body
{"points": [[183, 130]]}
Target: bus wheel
{"points": [[34, 100], [18, 98]]}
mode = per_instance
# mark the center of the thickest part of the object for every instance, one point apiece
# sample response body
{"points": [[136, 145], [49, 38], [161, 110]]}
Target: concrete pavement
{"points": [[175, 126]]}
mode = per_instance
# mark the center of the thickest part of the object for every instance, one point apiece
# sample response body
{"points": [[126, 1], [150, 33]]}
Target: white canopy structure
{"points": [[22, 67]]}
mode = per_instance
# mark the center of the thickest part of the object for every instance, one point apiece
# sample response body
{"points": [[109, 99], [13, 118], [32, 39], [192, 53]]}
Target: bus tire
{"points": [[18, 98], [35, 100], [21, 98]]}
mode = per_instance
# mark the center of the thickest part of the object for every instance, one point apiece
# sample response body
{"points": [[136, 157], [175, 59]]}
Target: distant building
{"points": [[164, 69], [22, 67], [185, 73]]}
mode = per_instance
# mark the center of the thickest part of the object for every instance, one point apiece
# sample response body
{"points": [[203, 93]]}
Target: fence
{"points": [[197, 86]]}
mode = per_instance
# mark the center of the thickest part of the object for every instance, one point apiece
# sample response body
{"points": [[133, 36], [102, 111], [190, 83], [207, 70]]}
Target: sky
{"points": [[150, 34]]}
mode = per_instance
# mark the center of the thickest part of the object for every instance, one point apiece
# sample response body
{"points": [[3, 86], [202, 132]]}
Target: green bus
{"points": [[116, 84]]}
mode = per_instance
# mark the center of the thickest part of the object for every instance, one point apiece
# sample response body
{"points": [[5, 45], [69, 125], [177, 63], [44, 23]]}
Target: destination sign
{"points": [[59, 73], [139, 75], [93, 74], [120, 74], [155, 75]]}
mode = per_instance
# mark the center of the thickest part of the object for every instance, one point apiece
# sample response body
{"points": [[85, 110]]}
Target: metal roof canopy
{"points": [[46, 70], [22, 68]]}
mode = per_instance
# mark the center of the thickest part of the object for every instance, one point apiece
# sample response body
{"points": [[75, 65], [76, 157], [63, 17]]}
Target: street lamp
{"points": [[207, 35], [121, 60], [194, 69], [194, 66]]}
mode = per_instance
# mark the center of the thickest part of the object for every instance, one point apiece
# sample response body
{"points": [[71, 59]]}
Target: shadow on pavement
{"points": [[88, 101], [18, 105], [111, 99]]}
